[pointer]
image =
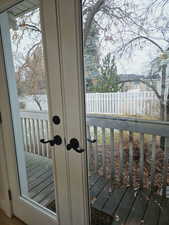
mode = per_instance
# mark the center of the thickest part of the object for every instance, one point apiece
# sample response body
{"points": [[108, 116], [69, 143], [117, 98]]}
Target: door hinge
{"points": [[9, 195]]}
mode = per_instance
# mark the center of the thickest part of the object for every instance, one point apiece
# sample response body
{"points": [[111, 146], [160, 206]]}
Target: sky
{"points": [[21, 48], [137, 63]]}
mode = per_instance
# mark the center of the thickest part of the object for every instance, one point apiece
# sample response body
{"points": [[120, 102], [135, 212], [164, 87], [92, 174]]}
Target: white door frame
{"points": [[22, 208], [72, 174], [5, 203], [10, 71], [70, 28]]}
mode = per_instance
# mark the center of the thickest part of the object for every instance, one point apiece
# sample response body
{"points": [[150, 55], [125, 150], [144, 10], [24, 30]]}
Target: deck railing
{"points": [[126, 150], [35, 126]]}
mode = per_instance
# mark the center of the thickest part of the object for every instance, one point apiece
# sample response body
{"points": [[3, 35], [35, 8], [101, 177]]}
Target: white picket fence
{"points": [[123, 103], [118, 103]]}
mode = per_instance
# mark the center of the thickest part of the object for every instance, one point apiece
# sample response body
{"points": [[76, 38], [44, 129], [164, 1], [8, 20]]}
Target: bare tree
{"points": [[122, 16], [160, 62], [94, 11], [117, 13], [33, 75]]}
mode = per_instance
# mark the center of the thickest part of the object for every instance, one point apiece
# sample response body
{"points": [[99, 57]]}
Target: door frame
{"points": [[72, 184], [21, 207], [71, 47]]}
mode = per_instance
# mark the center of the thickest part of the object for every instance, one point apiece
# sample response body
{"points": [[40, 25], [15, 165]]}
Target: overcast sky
{"points": [[138, 63]]}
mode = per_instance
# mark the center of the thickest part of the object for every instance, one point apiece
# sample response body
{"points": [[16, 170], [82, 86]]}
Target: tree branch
{"points": [[33, 47], [31, 27], [143, 37], [91, 14]]}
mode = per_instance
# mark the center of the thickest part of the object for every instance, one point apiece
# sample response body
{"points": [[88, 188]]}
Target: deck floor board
{"points": [[113, 201], [37, 189], [164, 215], [40, 179], [110, 205], [153, 212], [124, 208], [138, 209]]}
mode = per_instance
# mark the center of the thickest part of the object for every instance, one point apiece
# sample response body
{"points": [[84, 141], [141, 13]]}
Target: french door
{"points": [[58, 40], [32, 113], [76, 138], [107, 156], [64, 164]]}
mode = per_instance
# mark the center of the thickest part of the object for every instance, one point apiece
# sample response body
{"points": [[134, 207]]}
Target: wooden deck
{"points": [[40, 179], [117, 206], [125, 206]]}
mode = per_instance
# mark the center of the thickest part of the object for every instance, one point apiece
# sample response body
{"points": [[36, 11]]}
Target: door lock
{"points": [[56, 120]]}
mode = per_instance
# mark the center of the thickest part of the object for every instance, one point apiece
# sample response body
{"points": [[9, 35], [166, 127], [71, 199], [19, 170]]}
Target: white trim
{"points": [[22, 208], [10, 71], [6, 117], [52, 46], [63, 51], [73, 85]]}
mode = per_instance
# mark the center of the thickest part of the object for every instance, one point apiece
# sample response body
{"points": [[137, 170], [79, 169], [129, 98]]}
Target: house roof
{"points": [[130, 77]]}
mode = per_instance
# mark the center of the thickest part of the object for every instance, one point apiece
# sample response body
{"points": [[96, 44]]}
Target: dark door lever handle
{"points": [[91, 140], [57, 140], [74, 144]]}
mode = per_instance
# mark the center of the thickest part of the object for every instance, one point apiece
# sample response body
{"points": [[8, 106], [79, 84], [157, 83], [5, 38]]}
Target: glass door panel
{"points": [[29, 103], [126, 102]]}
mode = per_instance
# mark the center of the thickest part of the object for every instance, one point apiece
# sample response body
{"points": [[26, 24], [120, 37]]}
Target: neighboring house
{"points": [[129, 84], [134, 83], [131, 81], [155, 72]]}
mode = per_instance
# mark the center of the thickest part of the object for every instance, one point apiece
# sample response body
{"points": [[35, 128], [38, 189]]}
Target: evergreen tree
{"points": [[108, 80]]}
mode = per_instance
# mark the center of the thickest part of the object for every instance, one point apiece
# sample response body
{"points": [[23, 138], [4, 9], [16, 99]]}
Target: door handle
{"points": [[57, 140], [74, 144], [91, 140]]}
